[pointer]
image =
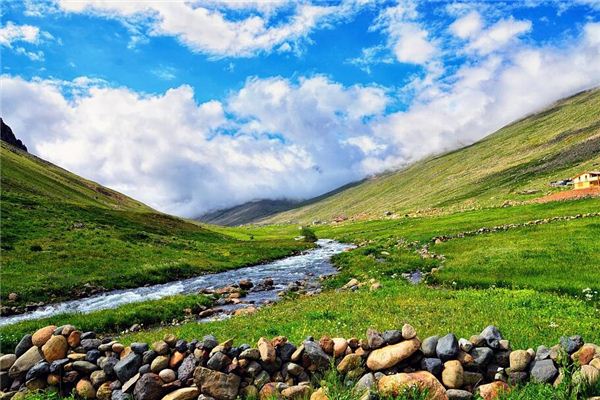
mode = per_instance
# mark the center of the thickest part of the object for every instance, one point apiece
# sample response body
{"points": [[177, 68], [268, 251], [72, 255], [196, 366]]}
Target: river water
{"points": [[307, 266]]}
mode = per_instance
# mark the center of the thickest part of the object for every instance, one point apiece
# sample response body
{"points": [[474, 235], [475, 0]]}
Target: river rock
{"points": [[148, 387], [74, 339], [39, 370], [167, 375], [219, 361], [7, 361], [104, 392], [250, 354], [392, 336], [452, 374], [266, 350], [339, 347], [447, 347], [457, 394], [316, 356], [388, 356], [374, 339], [41, 336], [348, 363], [432, 365], [326, 344], [138, 348], [408, 332], [285, 351], [465, 345], [493, 390], [159, 363], [492, 336], [128, 366], [542, 353], [587, 375], [429, 345], [482, 356], [186, 369], [365, 384], [519, 360], [24, 344], [571, 344], [25, 362], [296, 392], [394, 385], [543, 371], [85, 389], [217, 384], [55, 348], [189, 393], [585, 354], [85, 367]]}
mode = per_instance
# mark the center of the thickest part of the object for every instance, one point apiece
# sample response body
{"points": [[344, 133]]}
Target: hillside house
{"points": [[587, 180]]}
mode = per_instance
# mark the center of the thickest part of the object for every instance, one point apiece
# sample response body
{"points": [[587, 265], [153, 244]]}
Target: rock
{"points": [[482, 356], [262, 379], [24, 344], [176, 359], [392, 336], [219, 361], [189, 393], [248, 392], [104, 392], [587, 375], [7, 361], [85, 367], [394, 385], [170, 339], [543, 371], [517, 378], [339, 347], [186, 369], [98, 378], [408, 332], [296, 392], [428, 346], [472, 378], [167, 375], [456, 394], [217, 384], [571, 344], [477, 340], [493, 390], [120, 395], [159, 363], [74, 339], [584, 355], [452, 375], [348, 363], [25, 362], [39, 370], [389, 356], [250, 354], [432, 365], [542, 353], [137, 348], [316, 356], [128, 366], [90, 344], [374, 339], [161, 348], [269, 392], [41, 336], [465, 345], [55, 348], [76, 356], [519, 360], [447, 347], [285, 351], [148, 387], [365, 384], [266, 350], [56, 367], [130, 384], [85, 390], [492, 336], [319, 394], [595, 363]]}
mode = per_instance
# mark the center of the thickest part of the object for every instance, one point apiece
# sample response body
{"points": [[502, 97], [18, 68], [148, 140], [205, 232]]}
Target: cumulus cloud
{"points": [[11, 34], [209, 29]]}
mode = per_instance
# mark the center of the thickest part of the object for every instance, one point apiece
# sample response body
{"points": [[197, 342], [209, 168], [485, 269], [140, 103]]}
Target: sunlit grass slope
{"points": [[524, 156]]}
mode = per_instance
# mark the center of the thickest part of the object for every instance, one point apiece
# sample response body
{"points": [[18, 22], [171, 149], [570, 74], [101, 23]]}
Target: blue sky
{"points": [[196, 105]]}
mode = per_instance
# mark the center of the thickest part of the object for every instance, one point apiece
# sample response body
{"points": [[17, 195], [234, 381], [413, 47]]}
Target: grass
{"points": [[523, 156]]}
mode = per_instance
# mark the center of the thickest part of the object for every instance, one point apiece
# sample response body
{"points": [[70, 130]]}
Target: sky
{"points": [[191, 106]]}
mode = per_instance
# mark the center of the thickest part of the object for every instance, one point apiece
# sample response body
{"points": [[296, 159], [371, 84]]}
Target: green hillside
{"points": [[65, 237], [514, 164]]}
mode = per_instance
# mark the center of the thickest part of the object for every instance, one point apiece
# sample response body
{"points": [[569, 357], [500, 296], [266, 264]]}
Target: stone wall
{"points": [[385, 363]]}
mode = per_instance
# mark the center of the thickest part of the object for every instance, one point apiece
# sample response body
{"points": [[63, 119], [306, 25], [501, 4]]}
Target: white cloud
{"points": [[207, 28], [467, 26], [499, 35], [12, 32]]}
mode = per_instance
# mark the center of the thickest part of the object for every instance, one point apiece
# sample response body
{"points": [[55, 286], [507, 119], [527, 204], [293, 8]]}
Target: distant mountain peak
{"points": [[9, 137]]}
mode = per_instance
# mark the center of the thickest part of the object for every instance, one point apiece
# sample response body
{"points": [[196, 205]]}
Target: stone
{"points": [[465, 345], [262, 379], [348, 363], [266, 350], [39, 370], [493, 390], [584, 355], [148, 387], [24, 344], [57, 366], [319, 394], [85, 367], [217, 384], [219, 361], [93, 356], [104, 392], [120, 395], [492, 336], [119, 347], [85, 389], [543, 371], [447, 347], [587, 375], [161, 347], [365, 384], [41, 336], [137, 348], [408, 332], [326, 344], [432, 365], [457, 394], [186, 369], [428, 346], [339, 347], [542, 353], [316, 356], [285, 351], [128, 366], [250, 354], [517, 377], [452, 374], [90, 344], [36, 384], [74, 339], [571, 344], [130, 384], [25, 362], [392, 336], [471, 378], [477, 340], [189, 393], [269, 392], [374, 339], [7, 361], [76, 356], [98, 378], [595, 363], [167, 375], [176, 359], [296, 392], [55, 348], [482, 356], [159, 363], [519, 360], [248, 392], [389, 356], [394, 385]]}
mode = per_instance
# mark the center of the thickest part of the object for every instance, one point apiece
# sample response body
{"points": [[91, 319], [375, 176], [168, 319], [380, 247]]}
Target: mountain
{"points": [[9, 137], [512, 165], [247, 212]]}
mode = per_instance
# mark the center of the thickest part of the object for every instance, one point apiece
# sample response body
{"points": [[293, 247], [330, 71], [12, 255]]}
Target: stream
{"points": [[307, 266]]}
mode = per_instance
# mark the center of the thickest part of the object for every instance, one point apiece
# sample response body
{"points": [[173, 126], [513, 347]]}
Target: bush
{"points": [[309, 235]]}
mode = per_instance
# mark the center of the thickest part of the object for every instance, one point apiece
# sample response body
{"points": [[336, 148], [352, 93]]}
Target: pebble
{"points": [[167, 375]]}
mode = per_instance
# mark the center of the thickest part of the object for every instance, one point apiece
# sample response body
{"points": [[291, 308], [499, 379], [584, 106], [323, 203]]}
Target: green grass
{"points": [[561, 256], [60, 232], [554, 144]]}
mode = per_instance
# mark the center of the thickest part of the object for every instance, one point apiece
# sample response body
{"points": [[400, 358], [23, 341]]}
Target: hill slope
{"points": [[513, 164], [247, 212], [64, 236]]}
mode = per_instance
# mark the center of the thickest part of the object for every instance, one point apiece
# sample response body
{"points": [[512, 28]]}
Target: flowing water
{"points": [[307, 266]]}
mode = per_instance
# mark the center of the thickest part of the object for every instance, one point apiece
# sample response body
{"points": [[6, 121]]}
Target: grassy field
{"points": [[60, 232], [524, 156]]}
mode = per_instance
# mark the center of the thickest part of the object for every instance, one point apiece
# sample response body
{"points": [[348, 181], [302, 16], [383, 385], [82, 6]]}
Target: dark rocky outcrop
{"points": [[9, 137]]}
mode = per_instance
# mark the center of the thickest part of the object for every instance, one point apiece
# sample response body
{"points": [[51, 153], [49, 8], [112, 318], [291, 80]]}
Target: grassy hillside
{"points": [[60, 232], [247, 212], [514, 164]]}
